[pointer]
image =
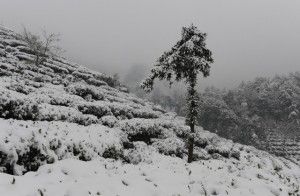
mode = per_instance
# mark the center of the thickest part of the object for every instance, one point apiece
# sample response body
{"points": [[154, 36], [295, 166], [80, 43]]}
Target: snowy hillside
{"points": [[67, 130]]}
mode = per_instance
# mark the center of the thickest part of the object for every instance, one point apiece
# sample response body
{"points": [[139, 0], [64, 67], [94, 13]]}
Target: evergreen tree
{"points": [[184, 61]]}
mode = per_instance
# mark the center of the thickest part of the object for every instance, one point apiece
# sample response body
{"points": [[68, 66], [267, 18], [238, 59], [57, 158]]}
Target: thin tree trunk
{"points": [[191, 144], [192, 116]]}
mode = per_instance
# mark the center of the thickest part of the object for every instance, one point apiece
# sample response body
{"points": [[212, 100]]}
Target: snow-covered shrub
{"points": [[85, 90], [201, 154], [14, 106], [123, 89], [53, 113], [64, 99], [20, 88], [36, 143], [61, 113], [56, 68], [145, 113], [86, 119], [60, 101], [39, 79], [4, 72], [26, 110], [122, 111], [158, 108], [111, 81], [35, 84], [113, 153], [170, 146], [235, 153], [2, 52], [140, 153], [218, 150], [26, 58], [68, 68], [97, 108], [26, 156], [79, 74], [7, 67], [109, 121], [114, 98], [14, 43], [33, 156], [95, 82], [179, 129], [202, 138], [10, 49], [46, 70], [222, 147], [71, 79], [141, 129]]}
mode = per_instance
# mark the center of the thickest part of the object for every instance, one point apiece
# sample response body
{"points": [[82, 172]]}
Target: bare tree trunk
{"points": [[191, 144], [192, 115]]}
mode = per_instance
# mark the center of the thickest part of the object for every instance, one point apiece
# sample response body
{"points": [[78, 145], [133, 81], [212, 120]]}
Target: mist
{"points": [[248, 39]]}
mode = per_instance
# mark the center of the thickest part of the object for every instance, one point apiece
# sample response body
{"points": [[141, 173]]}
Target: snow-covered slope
{"points": [[68, 130]]}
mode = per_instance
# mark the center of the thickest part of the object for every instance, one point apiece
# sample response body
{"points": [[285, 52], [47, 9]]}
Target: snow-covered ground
{"points": [[67, 130], [164, 176]]}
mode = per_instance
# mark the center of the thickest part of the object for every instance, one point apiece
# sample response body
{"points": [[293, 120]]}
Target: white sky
{"points": [[248, 38]]}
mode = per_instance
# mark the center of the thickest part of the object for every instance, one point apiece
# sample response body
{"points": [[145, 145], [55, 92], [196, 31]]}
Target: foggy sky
{"points": [[248, 38]]}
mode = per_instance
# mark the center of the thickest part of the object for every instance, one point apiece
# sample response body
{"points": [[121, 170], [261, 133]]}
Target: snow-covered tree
{"points": [[184, 61]]}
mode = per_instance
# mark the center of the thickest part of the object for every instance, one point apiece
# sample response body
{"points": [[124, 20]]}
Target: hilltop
{"points": [[68, 130]]}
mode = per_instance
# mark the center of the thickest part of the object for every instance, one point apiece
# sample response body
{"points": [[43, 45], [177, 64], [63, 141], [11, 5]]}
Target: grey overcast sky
{"points": [[248, 38]]}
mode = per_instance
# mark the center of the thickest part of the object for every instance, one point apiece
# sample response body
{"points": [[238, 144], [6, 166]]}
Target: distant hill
{"points": [[263, 112]]}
